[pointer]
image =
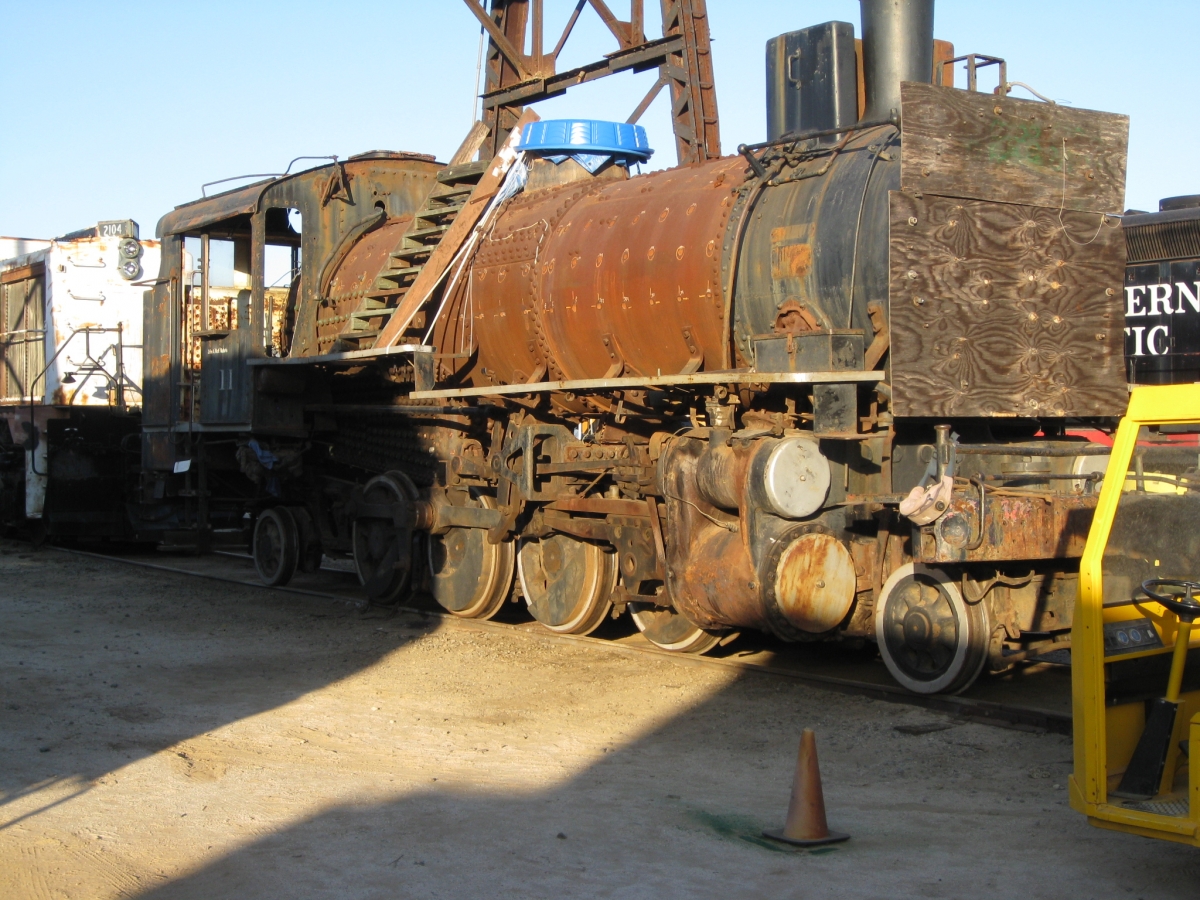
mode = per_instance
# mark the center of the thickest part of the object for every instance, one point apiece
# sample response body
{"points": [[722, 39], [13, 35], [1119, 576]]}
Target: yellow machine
{"points": [[1135, 655]]}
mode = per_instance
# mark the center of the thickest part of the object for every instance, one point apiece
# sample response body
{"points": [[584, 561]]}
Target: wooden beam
{"points": [[470, 146]]}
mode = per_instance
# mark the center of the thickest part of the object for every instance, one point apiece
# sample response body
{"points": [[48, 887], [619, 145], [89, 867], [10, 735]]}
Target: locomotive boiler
{"points": [[823, 388]]}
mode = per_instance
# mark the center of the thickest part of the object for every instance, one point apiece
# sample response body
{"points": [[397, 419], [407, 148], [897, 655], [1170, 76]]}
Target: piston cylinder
{"points": [[767, 572], [788, 478]]}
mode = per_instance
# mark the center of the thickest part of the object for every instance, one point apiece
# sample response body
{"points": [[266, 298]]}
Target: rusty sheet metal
{"points": [[815, 582], [494, 305], [711, 579], [1016, 528], [354, 279], [586, 280], [199, 213], [601, 506]]}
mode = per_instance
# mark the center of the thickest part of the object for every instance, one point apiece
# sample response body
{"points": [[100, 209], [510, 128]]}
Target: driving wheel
{"points": [[567, 582], [932, 641], [382, 548], [469, 576], [276, 548], [668, 629]]}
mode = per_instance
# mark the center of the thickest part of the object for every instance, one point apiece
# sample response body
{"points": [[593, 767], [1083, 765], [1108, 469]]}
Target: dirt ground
{"points": [[163, 736]]}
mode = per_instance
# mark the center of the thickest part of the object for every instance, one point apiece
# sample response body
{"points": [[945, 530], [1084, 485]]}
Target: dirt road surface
{"points": [[163, 736]]}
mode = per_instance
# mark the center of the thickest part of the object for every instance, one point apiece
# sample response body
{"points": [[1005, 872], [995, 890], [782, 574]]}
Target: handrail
{"points": [[119, 381], [4, 334]]}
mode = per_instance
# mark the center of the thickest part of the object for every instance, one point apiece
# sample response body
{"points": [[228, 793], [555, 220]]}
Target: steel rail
{"points": [[972, 710]]}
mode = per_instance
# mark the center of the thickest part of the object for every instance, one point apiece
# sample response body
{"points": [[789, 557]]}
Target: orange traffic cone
{"points": [[806, 825]]}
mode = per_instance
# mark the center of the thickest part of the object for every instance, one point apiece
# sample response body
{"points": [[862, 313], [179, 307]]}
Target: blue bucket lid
{"points": [[586, 136]]}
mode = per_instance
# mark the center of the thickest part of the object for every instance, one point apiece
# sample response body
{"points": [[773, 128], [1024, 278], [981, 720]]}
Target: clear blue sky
{"points": [[124, 110]]}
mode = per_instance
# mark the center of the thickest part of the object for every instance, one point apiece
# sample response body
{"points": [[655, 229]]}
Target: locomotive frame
{"points": [[699, 395]]}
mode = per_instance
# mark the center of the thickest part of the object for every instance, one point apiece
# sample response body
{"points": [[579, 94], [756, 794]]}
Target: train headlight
{"points": [[130, 251]]}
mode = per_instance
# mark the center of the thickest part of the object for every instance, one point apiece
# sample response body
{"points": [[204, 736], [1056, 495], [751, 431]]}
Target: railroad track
{"points": [[1033, 712]]}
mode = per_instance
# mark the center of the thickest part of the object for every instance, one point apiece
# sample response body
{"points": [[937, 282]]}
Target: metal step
{"points": [[461, 189], [432, 231], [409, 252], [436, 212], [358, 335], [466, 172], [406, 272]]}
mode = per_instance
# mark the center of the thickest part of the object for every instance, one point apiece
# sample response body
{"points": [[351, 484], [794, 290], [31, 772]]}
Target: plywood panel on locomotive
{"points": [[1005, 271]]}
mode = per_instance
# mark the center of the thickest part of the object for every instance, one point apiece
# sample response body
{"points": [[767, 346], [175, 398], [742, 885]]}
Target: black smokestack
{"points": [[897, 43]]}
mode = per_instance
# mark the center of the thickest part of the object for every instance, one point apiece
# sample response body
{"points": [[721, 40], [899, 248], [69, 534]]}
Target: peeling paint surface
{"points": [[84, 289]]}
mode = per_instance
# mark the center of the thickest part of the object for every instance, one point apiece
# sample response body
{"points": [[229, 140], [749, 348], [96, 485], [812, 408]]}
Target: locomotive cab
{"points": [[241, 281]]}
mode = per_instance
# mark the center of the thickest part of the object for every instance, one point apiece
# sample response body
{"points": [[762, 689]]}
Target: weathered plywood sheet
{"points": [[966, 144], [995, 312]]}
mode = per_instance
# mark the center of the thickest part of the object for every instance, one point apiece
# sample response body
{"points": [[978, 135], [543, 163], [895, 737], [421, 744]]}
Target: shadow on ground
{"points": [[141, 664]]}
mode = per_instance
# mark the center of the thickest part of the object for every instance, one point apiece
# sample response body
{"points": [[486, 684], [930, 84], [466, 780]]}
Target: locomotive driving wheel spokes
{"points": [[382, 547], [931, 640], [669, 629], [276, 546], [469, 576], [567, 582]]}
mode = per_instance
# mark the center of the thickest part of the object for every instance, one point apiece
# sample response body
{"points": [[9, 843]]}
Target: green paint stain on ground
{"points": [[732, 827]]}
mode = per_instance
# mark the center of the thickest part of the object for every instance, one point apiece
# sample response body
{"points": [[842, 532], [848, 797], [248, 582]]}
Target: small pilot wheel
{"points": [[668, 629], [383, 552], [309, 542], [567, 582], [469, 576], [276, 546], [932, 641]]}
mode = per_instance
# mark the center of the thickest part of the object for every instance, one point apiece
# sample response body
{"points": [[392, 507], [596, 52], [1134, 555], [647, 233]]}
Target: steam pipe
{"points": [[897, 46]]}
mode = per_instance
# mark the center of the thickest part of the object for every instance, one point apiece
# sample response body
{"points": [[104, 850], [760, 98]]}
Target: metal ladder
{"points": [[449, 195]]}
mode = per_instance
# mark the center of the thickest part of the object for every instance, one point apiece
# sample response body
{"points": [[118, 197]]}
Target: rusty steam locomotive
{"points": [[824, 387]]}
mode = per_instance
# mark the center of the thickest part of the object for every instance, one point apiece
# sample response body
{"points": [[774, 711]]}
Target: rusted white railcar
{"points": [[70, 374]]}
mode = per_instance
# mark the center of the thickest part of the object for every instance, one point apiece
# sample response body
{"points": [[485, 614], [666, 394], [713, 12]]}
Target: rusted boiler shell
{"points": [[817, 238], [586, 278]]}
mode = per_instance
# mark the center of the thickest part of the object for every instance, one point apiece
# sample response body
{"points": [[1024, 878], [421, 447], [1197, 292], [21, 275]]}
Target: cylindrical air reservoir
{"points": [[897, 46]]}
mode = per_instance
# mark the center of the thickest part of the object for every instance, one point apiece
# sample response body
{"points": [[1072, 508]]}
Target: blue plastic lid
{"points": [[588, 136]]}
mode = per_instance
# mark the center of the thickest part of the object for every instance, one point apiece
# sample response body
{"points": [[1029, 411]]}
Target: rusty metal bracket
{"points": [[975, 62], [683, 57], [338, 185], [520, 444]]}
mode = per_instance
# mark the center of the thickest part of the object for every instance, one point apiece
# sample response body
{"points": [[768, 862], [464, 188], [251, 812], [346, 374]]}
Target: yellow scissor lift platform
{"points": [[1135, 659]]}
